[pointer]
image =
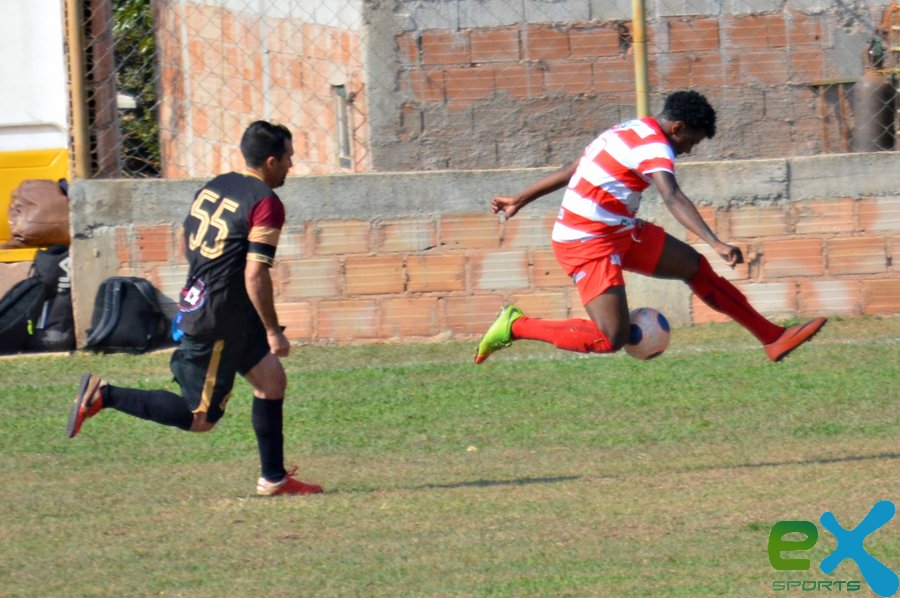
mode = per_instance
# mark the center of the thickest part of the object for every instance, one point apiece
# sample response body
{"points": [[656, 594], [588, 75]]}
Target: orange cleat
{"points": [[792, 338], [88, 402], [289, 485]]}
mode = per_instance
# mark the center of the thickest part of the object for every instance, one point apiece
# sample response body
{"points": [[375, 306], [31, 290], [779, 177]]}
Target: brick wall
{"points": [[812, 257], [222, 68], [412, 255], [499, 83], [532, 93]]}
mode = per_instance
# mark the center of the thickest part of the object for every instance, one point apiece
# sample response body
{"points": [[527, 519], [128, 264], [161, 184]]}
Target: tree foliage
{"points": [[136, 76]]}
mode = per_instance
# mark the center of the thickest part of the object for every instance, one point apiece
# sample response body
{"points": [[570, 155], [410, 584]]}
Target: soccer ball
{"points": [[649, 333]]}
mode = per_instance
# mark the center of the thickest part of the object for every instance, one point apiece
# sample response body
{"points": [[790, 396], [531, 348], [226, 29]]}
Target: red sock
{"points": [[724, 297], [582, 336]]}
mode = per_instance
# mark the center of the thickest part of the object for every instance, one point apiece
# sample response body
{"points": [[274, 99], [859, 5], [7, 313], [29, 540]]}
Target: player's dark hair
{"points": [[263, 139], [691, 108]]}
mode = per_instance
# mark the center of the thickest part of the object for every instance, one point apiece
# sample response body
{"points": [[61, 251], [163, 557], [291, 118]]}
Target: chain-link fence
{"points": [[428, 84]]}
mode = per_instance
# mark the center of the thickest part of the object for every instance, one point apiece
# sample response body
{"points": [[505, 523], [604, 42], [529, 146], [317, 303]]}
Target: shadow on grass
{"points": [[492, 483], [468, 484], [787, 463], [572, 478]]}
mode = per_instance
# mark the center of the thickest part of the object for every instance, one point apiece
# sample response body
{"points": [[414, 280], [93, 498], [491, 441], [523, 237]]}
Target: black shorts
{"points": [[205, 368]]}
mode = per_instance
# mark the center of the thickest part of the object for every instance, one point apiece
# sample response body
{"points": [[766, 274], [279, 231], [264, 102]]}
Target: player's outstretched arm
{"points": [[511, 204], [684, 210]]}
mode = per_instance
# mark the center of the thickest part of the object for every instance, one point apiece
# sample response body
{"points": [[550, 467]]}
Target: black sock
{"points": [[160, 406], [267, 421]]}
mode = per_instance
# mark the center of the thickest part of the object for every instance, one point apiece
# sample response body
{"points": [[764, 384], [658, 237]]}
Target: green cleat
{"points": [[499, 335]]}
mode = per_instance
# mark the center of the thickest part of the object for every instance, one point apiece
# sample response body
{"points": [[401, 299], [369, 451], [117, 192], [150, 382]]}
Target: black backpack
{"points": [[36, 313], [19, 309], [54, 329], [127, 317]]}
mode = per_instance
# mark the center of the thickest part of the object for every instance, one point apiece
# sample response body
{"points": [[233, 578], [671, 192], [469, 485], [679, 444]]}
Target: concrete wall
{"points": [[465, 84], [521, 83], [413, 255]]}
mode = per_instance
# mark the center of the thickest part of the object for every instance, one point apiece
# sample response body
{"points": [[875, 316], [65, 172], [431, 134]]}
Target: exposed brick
{"points": [[772, 299], [409, 316], [414, 234], [793, 257], [706, 70], [823, 216], [753, 31], [739, 272], [123, 245], [436, 272], [347, 320], [475, 83], [613, 75], [708, 213], [151, 272], [154, 243], [554, 306], [341, 237], [594, 42], [546, 271], [766, 66], [292, 244], [543, 43], [881, 296], [703, 314], [180, 249], [407, 48], [469, 231], [428, 85], [674, 70], [520, 81], [374, 274], [894, 252], [471, 314], [857, 255], [171, 279], [296, 317], [693, 35], [807, 65], [499, 270], [804, 30], [445, 47], [492, 45], [570, 77], [749, 222], [525, 231], [314, 277], [824, 297], [879, 214]]}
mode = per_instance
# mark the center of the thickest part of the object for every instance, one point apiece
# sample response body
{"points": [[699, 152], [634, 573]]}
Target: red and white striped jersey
{"points": [[604, 194]]}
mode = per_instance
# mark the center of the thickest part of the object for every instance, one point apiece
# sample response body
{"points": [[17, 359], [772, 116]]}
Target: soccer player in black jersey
{"points": [[226, 321]]}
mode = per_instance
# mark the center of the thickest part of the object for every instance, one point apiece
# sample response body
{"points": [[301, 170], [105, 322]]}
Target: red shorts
{"points": [[595, 265]]}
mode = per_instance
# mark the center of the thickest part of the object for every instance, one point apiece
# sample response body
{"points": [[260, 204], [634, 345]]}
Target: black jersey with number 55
{"points": [[234, 218]]}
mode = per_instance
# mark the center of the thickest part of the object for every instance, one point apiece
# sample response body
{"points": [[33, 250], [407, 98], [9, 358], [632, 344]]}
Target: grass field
{"points": [[540, 473]]}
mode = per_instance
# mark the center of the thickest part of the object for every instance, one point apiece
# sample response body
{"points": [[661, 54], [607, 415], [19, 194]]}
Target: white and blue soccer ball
{"points": [[649, 333]]}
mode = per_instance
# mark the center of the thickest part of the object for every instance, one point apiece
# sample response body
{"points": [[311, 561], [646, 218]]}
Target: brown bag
{"points": [[38, 214]]}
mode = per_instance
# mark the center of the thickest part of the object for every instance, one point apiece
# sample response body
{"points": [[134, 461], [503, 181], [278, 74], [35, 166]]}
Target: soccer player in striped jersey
{"points": [[597, 235], [226, 320]]}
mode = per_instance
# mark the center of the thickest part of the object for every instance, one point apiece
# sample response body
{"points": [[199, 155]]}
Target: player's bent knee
{"points": [[200, 423]]}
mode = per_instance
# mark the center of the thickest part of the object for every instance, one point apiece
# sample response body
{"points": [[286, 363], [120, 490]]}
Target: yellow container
{"points": [[18, 166]]}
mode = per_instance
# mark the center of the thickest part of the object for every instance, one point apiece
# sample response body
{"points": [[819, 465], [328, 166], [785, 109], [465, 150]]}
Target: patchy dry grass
{"points": [[538, 474]]}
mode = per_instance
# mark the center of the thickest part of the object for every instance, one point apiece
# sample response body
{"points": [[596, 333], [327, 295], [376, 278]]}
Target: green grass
{"points": [[540, 473]]}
